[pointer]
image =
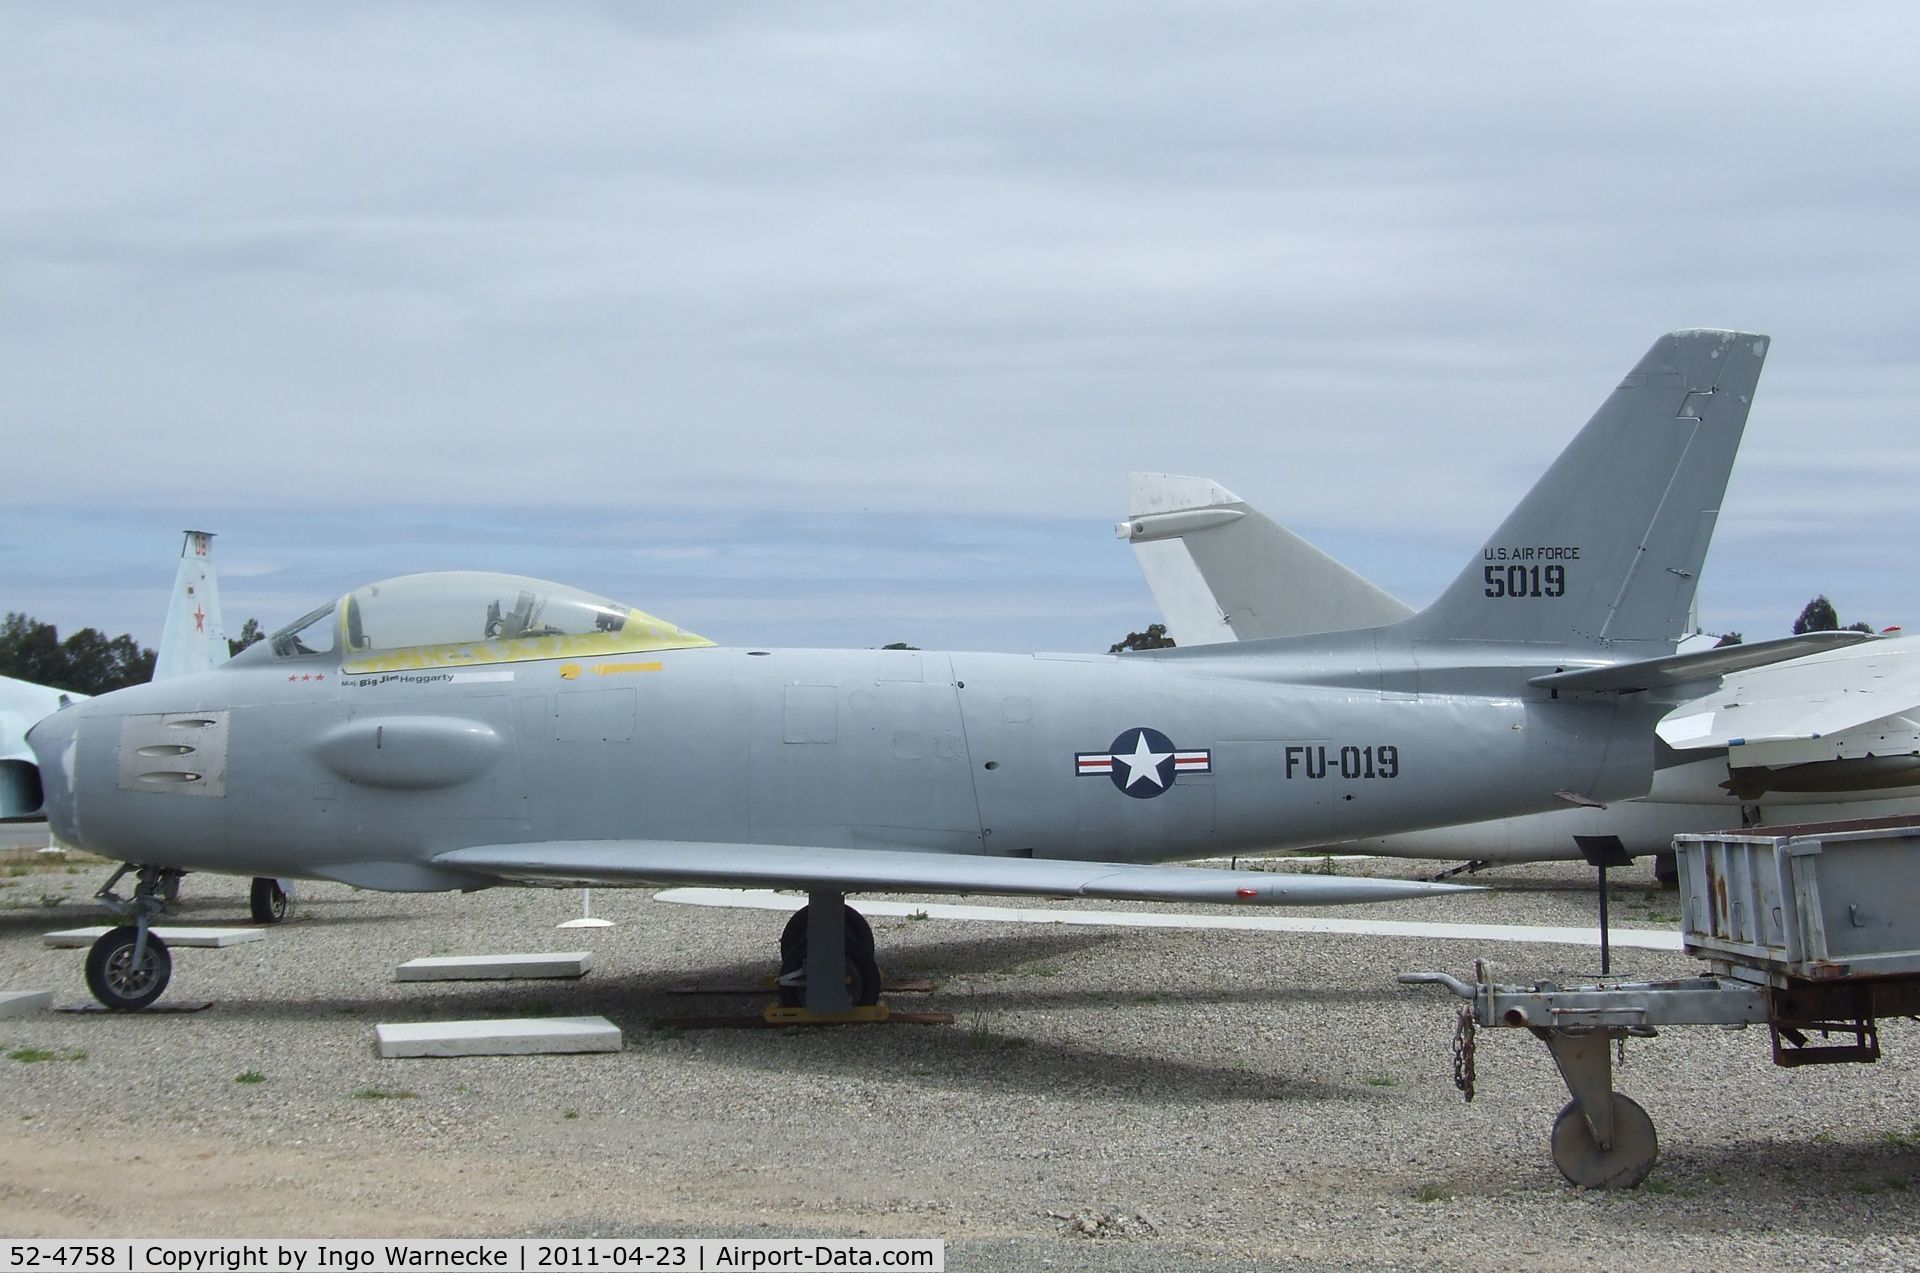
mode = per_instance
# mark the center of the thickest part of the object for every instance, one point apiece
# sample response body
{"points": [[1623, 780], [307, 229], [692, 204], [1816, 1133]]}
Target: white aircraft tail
{"points": [[194, 638], [1222, 571]]}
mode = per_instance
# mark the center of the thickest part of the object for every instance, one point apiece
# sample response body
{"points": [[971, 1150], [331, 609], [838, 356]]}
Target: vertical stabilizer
{"points": [[194, 639], [1221, 571], [1604, 553]]}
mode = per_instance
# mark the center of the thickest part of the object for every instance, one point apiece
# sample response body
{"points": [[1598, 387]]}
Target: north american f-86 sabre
{"points": [[459, 731]]}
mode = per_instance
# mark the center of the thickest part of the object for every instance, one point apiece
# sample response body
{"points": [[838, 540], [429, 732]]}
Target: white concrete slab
{"points": [[521, 1036], [209, 937], [565, 963], [19, 1003], [767, 900]]}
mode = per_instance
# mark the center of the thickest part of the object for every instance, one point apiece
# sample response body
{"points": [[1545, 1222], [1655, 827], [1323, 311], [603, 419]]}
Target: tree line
{"points": [[87, 662]]}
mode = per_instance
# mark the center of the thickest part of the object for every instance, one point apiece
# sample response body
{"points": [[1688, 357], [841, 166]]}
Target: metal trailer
{"points": [[1811, 930]]}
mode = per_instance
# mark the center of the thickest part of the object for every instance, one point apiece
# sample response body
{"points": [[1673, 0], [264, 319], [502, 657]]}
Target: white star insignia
{"points": [[1143, 762]]}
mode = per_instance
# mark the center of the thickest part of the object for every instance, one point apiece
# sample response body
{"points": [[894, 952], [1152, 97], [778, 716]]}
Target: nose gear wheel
{"points": [[126, 973]]}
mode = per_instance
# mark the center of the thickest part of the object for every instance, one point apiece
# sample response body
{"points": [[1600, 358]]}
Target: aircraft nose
{"points": [[53, 740]]}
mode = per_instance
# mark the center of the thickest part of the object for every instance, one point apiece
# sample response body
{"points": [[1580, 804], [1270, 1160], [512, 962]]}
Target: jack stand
{"points": [[826, 993], [586, 919], [1603, 851]]}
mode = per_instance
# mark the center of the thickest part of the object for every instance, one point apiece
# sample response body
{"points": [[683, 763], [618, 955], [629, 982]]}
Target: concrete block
{"points": [[522, 1036], [209, 937], [19, 1003], [567, 963]]}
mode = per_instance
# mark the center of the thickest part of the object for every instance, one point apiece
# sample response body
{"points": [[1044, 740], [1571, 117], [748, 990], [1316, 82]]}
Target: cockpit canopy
{"points": [[464, 618]]}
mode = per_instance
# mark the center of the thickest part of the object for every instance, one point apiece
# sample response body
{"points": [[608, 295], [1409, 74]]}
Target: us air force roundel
{"points": [[1143, 762]]}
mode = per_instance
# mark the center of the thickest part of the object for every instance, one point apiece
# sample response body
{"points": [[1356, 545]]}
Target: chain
{"points": [[1463, 1053]]}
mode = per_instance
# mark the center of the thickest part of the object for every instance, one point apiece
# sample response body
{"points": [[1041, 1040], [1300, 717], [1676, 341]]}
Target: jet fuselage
{"points": [[276, 765]]}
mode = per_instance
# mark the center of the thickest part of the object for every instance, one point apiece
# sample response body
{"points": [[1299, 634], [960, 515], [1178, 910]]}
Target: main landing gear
{"points": [[128, 967], [845, 984], [269, 900]]}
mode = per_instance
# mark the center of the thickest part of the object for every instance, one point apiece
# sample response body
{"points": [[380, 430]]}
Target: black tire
{"points": [[268, 901], [1666, 870], [862, 969], [1624, 1165], [793, 938], [117, 981]]}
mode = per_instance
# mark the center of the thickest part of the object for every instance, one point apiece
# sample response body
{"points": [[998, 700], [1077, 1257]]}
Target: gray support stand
{"points": [[827, 954], [1586, 1065]]}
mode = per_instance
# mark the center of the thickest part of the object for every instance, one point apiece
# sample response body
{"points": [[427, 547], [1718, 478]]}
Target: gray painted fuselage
{"points": [[364, 778]]}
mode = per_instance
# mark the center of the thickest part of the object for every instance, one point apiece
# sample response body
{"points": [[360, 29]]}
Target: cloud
{"points": [[527, 272]]}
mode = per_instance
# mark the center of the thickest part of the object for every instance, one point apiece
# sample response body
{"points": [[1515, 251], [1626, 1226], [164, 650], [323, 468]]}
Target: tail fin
{"points": [[1605, 551], [194, 639], [1220, 571]]}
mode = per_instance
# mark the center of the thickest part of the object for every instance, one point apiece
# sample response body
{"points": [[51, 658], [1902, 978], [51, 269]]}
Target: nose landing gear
{"points": [[128, 967]]}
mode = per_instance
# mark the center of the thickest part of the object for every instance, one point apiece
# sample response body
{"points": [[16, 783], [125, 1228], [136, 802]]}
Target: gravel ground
{"points": [[1107, 1098]]}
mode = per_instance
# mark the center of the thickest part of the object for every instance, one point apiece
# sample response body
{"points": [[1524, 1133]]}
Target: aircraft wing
{"points": [[1699, 665], [1807, 698], [580, 863]]}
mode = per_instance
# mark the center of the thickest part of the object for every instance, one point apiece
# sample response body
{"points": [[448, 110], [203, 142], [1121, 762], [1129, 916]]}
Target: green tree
{"points": [[1860, 626], [30, 650], [249, 633], [1818, 616], [898, 645], [88, 662], [1154, 638], [1730, 638]]}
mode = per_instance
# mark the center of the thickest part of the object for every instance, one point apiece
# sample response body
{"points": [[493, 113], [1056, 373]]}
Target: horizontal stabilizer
{"points": [[1678, 669], [582, 863], [1808, 698]]}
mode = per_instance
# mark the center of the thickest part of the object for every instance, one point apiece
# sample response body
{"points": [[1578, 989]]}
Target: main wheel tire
{"points": [[793, 938], [1622, 1166], [863, 970], [268, 901], [1666, 870], [121, 982]]}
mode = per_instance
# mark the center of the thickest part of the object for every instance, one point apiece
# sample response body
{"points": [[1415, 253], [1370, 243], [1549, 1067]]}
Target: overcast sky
{"points": [[843, 324]]}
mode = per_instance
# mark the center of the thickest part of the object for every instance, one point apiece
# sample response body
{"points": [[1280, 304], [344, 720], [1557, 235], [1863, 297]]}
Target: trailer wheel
{"points": [[1623, 1165]]}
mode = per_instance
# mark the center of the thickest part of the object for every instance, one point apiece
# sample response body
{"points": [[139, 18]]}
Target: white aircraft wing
{"points": [[1806, 698], [580, 863]]}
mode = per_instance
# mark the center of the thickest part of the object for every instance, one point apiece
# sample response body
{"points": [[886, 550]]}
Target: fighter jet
{"points": [[466, 730], [192, 640], [1837, 742]]}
